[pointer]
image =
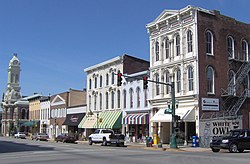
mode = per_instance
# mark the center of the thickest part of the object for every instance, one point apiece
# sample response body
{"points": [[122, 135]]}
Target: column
{"points": [[186, 134]]}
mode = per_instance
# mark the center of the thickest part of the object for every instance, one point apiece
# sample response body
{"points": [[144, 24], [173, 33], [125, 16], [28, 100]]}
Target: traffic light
{"points": [[176, 117], [145, 82], [119, 78]]}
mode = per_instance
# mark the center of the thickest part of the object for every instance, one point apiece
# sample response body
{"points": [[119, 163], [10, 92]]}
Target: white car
{"points": [[100, 136], [20, 135]]}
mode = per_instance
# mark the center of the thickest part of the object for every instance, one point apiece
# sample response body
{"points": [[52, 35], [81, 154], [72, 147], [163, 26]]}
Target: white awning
{"points": [[187, 114]]}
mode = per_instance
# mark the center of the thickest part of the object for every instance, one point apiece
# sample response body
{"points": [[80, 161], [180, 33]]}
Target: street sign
{"points": [[168, 111]]}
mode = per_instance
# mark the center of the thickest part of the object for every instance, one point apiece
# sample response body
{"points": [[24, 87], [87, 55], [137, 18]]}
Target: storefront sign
{"points": [[210, 104]]}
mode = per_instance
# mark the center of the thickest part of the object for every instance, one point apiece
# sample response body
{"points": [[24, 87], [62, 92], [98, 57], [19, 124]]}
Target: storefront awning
{"points": [[187, 114], [139, 118], [88, 122], [73, 119], [109, 119]]}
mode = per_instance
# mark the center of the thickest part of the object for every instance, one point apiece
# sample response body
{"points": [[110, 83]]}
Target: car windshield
{"points": [[232, 134]]}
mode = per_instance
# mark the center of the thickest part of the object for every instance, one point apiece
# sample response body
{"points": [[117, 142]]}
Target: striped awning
{"points": [[139, 118], [88, 122], [109, 119]]}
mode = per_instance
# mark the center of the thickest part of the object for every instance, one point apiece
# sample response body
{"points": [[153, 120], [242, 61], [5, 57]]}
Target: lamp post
{"points": [[173, 143], [55, 128]]}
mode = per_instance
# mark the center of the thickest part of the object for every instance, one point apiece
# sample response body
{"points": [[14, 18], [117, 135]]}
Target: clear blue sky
{"points": [[56, 39]]}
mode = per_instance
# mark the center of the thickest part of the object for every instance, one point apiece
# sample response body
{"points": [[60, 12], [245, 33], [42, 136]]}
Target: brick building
{"points": [[206, 55]]}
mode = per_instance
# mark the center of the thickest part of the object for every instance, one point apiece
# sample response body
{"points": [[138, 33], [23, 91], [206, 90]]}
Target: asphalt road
{"points": [[21, 151]]}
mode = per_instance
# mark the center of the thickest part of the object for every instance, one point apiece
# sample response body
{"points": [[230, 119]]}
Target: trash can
{"points": [[156, 141], [195, 141]]}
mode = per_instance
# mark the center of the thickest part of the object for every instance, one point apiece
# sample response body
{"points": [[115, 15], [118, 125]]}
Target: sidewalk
{"points": [[165, 147]]}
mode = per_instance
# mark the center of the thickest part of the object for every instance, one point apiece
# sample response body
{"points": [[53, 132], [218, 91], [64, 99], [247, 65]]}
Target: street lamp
{"points": [[55, 128], [173, 143]]}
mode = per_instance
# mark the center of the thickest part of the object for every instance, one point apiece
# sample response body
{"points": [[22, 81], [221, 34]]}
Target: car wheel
{"points": [[215, 150], [90, 141], [104, 142], [233, 148]]}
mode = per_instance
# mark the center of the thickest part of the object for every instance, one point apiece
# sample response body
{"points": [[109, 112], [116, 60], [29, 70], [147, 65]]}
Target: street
{"points": [[20, 151]]}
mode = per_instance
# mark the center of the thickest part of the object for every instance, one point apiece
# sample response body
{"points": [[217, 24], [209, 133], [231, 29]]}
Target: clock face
{"points": [[15, 62]]}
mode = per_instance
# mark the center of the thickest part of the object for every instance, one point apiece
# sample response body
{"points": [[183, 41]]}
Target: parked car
{"points": [[235, 141], [21, 135], [40, 136], [66, 138], [106, 136]]}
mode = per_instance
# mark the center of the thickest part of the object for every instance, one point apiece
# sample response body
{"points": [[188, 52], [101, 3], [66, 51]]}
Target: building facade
{"points": [[135, 107], [103, 94], [206, 55]]}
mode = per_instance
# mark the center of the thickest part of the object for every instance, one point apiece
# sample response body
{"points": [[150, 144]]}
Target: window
{"points": [[167, 50], [113, 78], [157, 85], [244, 50], [177, 45], [107, 79], [124, 99], [131, 97], [231, 77], [89, 102], [112, 99], [189, 41], [100, 81], [157, 48], [95, 82], [12, 78], [230, 47], [100, 101], [145, 98], [107, 100], [138, 97], [16, 78], [95, 100], [178, 80], [210, 80], [209, 42], [167, 80], [90, 83], [118, 99], [190, 79]]}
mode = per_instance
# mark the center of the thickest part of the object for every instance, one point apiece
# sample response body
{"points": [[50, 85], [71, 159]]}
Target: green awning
{"points": [[109, 120]]}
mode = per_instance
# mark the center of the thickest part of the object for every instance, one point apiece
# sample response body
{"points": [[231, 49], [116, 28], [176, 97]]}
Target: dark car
{"points": [[235, 141], [40, 136], [69, 138]]}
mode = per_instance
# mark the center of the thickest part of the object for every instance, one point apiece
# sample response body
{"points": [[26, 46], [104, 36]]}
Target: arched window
{"points": [[118, 99], [178, 80], [138, 97], [12, 78], [107, 100], [177, 45], [167, 48], [16, 78], [157, 49], [209, 42], [210, 79], [244, 50], [113, 78], [131, 97], [89, 102], [95, 82], [124, 99], [90, 83], [190, 78], [167, 80], [100, 81], [230, 47], [157, 85], [100, 96], [190, 41], [112, 99], [95, 101], [231, 78], [107, 79]]}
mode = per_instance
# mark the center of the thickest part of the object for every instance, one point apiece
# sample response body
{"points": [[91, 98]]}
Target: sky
{"points": [[55, 40]]}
